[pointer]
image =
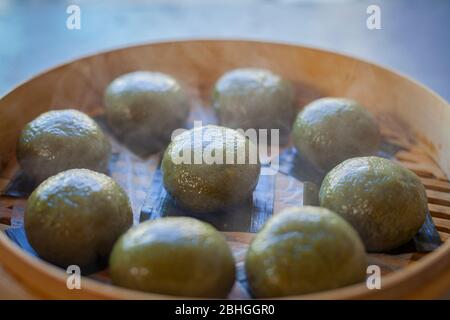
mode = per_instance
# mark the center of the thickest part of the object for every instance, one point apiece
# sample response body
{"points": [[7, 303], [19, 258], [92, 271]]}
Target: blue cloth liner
{"points": [[249, 216], [21, 185], [19, 237], [292, 163]]}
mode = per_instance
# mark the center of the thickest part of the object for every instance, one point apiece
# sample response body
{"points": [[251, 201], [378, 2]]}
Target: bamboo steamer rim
{"points": [[426, 278]]}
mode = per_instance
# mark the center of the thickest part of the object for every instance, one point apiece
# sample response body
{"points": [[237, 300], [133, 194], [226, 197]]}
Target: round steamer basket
{"points": [[409, 115]]}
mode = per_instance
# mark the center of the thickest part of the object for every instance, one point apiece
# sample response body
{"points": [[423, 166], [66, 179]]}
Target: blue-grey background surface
{"points": [[414, 39]]}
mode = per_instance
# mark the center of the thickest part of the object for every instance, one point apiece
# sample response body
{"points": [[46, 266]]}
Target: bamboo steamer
{"points": [[408, 113]]}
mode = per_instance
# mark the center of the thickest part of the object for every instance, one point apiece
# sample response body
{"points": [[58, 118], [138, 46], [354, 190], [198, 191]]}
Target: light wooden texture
{"points": [[11, 288], [409, 114]]}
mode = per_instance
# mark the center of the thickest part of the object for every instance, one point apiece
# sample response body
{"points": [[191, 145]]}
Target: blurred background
{"points": [[414, 37]]}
